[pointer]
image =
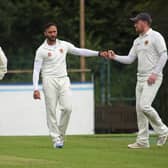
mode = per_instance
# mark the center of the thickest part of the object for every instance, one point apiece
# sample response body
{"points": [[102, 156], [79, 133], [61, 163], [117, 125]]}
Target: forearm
{"points": [[36, 73], [125, 59], [83, 52], [161, 63]]}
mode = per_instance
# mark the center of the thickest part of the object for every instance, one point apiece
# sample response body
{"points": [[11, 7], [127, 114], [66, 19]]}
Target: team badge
{"points": [[61, 50], [49, 54], [146, 42]]}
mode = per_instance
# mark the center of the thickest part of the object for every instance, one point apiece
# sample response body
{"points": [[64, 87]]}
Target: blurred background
{"points": [[93, 24]]}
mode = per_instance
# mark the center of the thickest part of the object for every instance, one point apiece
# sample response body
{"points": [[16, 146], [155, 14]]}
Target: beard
{"points": [[139, 29], [51, 38]]}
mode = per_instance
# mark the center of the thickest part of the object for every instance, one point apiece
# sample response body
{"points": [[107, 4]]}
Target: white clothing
{"points": [[3, 64], [51, 60], [151, 52]]}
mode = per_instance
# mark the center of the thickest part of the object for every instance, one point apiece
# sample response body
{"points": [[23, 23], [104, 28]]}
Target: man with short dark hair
{"points": [[151, 51], [51, 60]]}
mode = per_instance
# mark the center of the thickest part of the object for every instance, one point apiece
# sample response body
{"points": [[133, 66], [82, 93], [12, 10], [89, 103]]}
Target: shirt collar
{"points": [[50, 46]]}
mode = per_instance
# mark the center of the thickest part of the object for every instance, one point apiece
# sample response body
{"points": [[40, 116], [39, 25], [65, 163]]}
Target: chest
{"points": [[54, 54], [144, 45]]}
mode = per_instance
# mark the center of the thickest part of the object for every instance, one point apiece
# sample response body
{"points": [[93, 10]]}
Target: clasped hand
{"points": [[110, 54]]}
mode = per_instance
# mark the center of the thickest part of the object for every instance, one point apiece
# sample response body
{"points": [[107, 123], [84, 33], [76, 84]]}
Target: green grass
{"points": [[98, 151]]}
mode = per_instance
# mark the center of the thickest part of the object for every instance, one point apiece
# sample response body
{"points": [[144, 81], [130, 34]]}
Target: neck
{"points": [[145, 30], [51, 42]]}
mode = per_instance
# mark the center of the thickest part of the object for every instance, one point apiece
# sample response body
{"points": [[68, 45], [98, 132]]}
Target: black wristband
{"points": [[99, 53]]}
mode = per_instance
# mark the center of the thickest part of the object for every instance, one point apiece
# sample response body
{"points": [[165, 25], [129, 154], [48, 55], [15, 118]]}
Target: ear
{"points": [[45, 33]]}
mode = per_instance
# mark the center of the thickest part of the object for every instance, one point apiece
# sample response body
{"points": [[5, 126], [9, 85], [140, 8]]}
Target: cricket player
{"points": [[3, 64], [50, 59], [150, 50]]}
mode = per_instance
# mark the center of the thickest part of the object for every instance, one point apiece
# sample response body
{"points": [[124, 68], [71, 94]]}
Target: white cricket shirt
{"points": [[148, 48], [51, 59]]}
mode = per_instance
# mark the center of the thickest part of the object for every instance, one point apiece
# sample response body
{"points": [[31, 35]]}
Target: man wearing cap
{"points": [[151, 51]]}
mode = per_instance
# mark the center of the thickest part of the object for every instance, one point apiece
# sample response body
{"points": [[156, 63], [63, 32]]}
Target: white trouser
{"points": [[57, 90], [146, 114]]}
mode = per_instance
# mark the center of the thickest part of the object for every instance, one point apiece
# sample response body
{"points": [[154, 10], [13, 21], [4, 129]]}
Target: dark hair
{"points": [[46, 26]]}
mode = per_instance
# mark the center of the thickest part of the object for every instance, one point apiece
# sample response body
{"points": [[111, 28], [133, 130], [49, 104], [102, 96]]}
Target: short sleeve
{"points": [[159, 43], [133, 50]]}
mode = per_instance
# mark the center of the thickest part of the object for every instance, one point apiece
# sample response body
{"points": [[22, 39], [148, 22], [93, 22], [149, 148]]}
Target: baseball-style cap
{"points": [[142, 16]]}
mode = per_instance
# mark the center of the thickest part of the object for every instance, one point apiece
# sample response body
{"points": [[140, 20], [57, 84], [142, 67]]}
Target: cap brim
{"points": [[135, 19]]}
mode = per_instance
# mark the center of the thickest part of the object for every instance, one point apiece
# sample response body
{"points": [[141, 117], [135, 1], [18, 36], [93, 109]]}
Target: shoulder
{"points": [[1, 48], [156, 35], [39, 52], [65, 43], [136, 41], [40, 49], [154, 32], [157, 39], [1, 51]]}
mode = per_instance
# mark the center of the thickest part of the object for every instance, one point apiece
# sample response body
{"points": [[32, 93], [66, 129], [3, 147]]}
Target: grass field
{"points": [[98, 151]]}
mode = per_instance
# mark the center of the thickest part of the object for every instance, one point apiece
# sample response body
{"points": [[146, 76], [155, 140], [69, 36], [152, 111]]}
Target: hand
{"points": [[103, 54], [36, 94], [152, 79], [111, 54]]}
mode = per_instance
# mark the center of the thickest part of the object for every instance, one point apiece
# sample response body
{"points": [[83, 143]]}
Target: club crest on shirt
{"points": [[146, 42], [49, 54], [61, 50]]}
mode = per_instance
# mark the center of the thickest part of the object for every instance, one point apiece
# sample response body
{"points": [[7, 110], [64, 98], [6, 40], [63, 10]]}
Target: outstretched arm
{"points": [[82, 51], [122, 59], [86, 52], [125, 59]]}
